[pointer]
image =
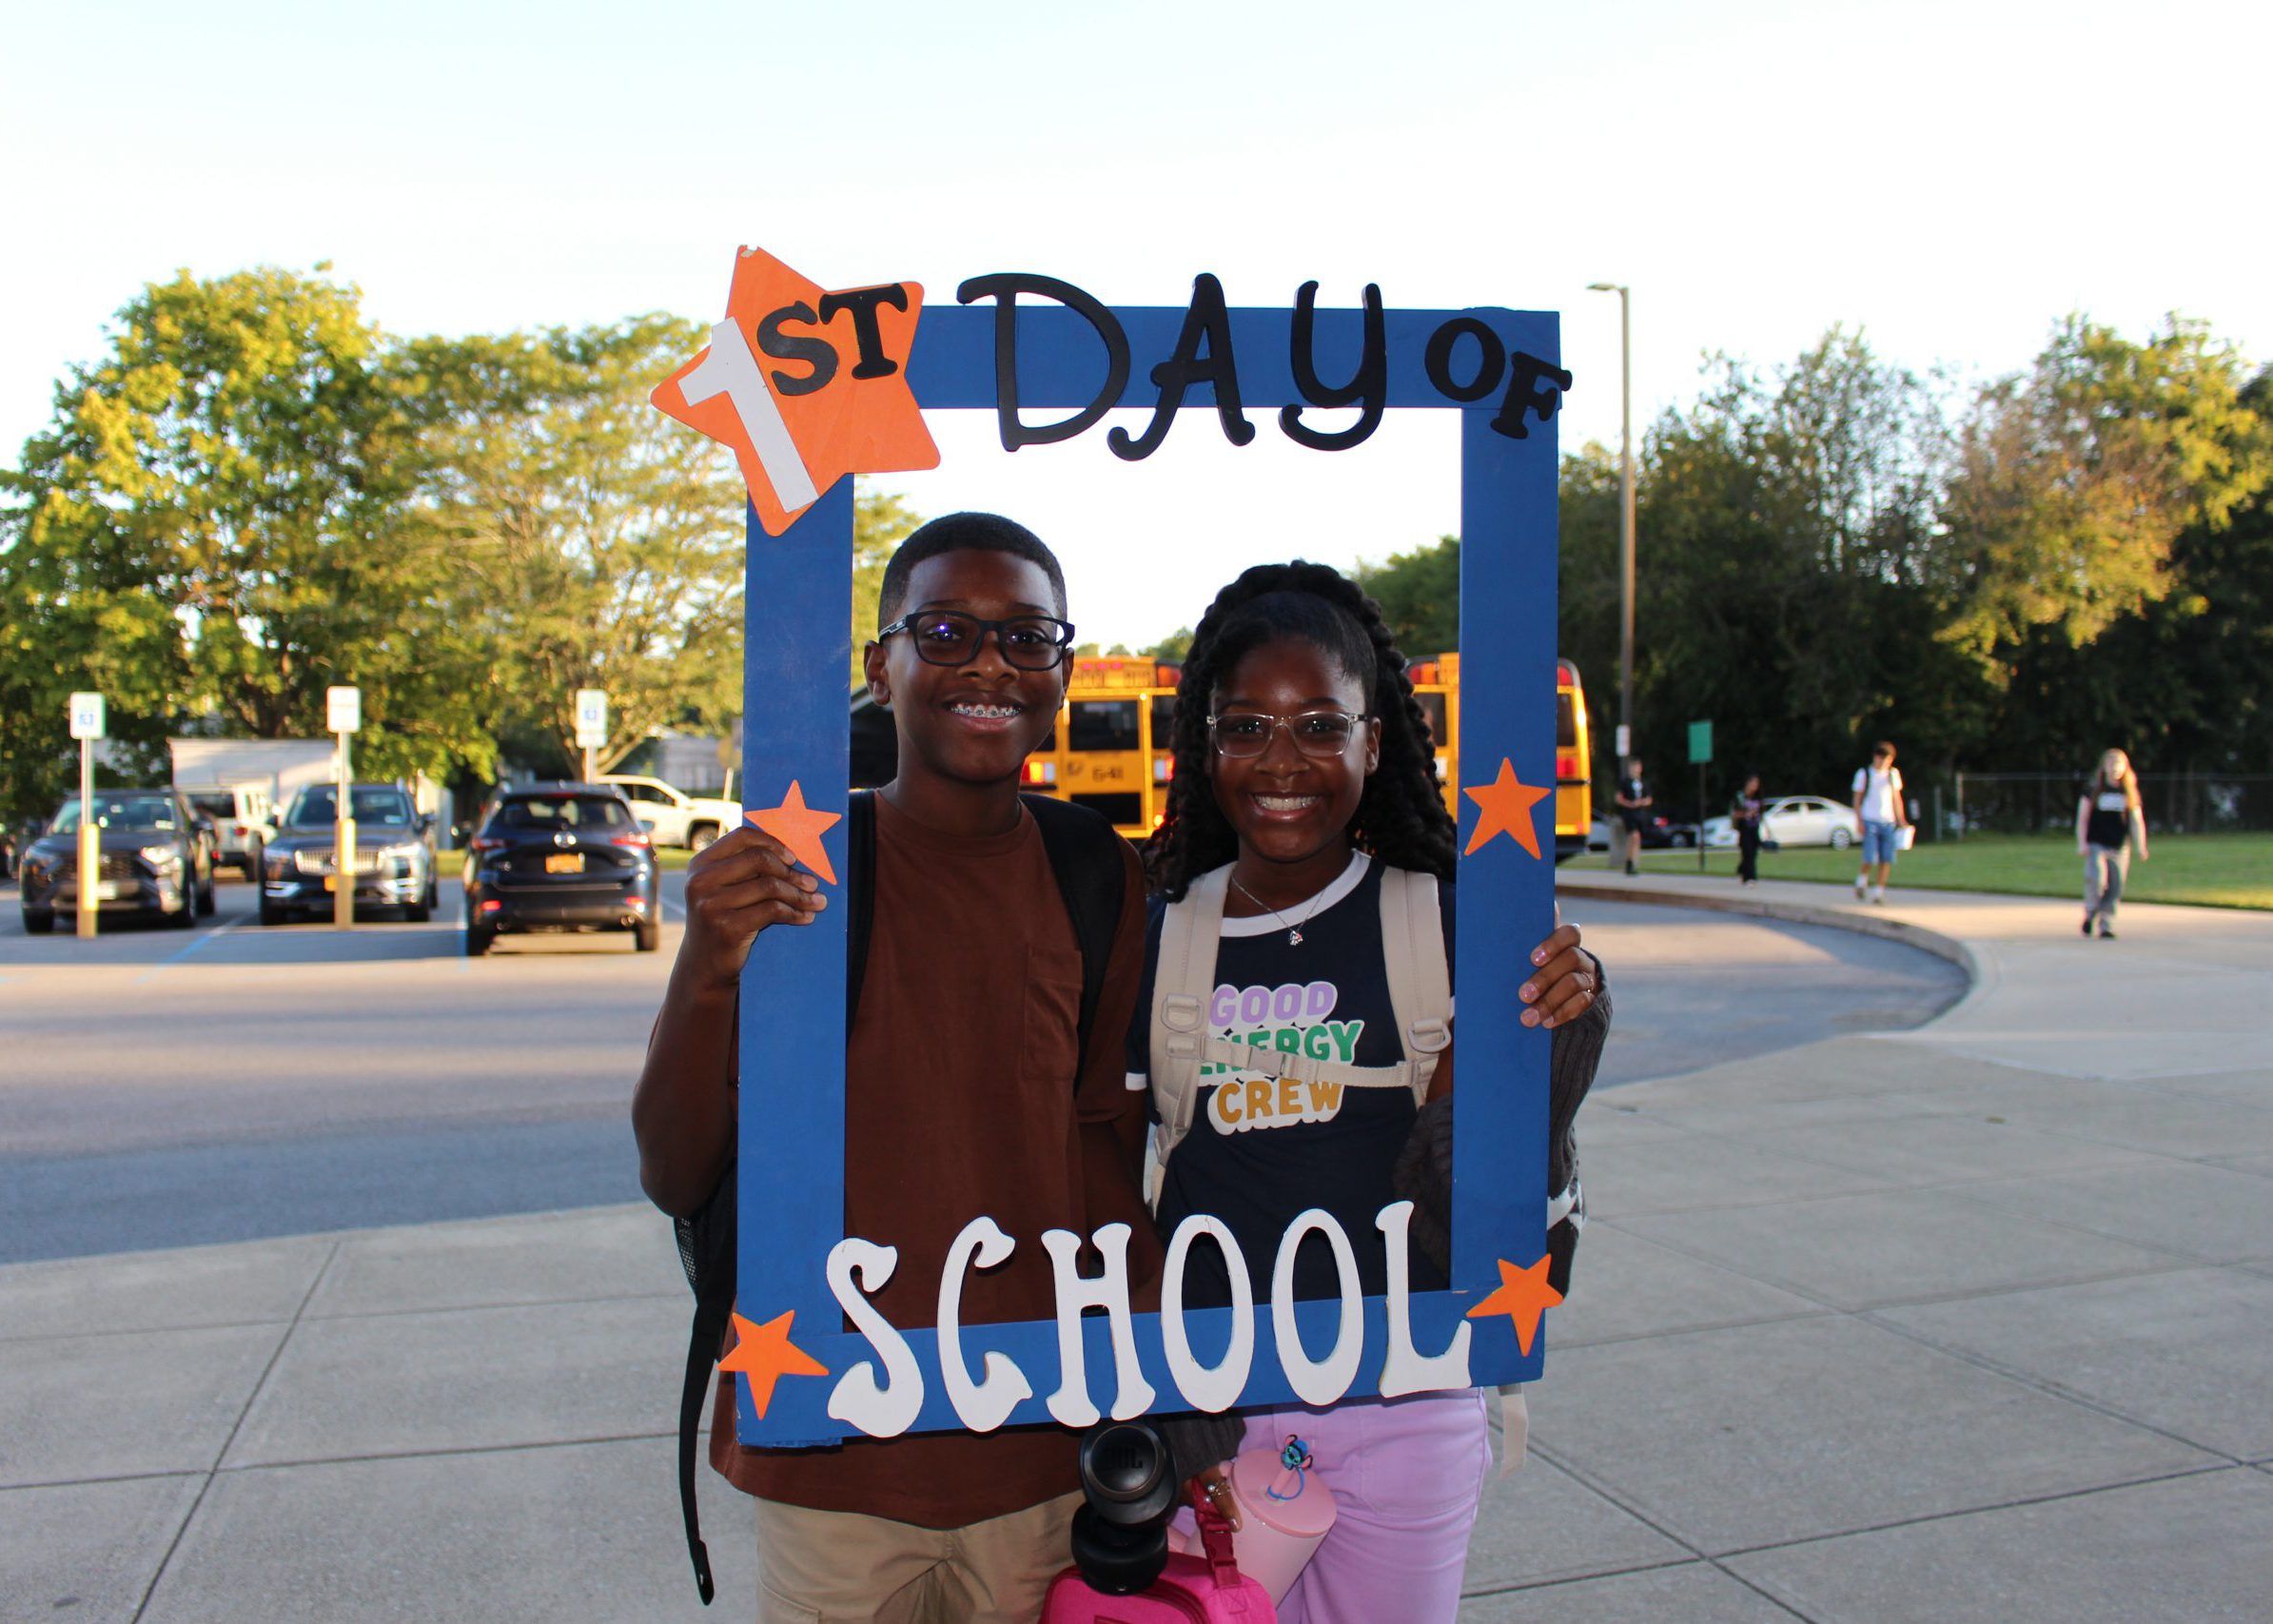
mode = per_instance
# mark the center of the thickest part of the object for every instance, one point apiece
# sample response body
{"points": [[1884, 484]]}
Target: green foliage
{"points": [[1420, 595], [880, 522], [1172, 648], [2076, 479]]}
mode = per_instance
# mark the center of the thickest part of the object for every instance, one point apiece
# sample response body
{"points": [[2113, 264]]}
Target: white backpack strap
{"points": [[1419, 977], [1182, 981]]}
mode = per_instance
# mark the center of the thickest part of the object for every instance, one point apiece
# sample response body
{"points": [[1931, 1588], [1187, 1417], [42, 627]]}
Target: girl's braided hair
{"points": [[1400, 819]]}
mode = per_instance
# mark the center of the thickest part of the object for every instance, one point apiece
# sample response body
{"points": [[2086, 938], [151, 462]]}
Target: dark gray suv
{"points": [[393, 865], [156, 857]]}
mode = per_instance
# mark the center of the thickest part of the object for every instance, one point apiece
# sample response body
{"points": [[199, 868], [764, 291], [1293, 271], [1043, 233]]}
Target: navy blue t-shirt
{"points": [[1261, 1151]]}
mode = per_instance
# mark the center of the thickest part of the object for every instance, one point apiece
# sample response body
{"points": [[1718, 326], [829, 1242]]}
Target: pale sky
{"points": [[1951, 178]]}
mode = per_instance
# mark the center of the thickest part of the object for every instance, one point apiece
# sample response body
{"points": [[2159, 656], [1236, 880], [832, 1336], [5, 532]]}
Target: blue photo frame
{"points": [[792, 1137]]}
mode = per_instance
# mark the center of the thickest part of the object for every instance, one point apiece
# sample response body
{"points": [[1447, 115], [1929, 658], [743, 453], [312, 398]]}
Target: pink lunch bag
{"points": [[1191, 1590]]}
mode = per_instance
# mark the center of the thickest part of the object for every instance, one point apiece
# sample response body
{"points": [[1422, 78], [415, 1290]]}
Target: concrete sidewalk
{"points": [[1972, 1322]]}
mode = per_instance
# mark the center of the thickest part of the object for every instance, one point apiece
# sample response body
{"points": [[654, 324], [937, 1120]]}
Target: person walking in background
{"points": [[1878, 801], [1634, 801], [1744, 811], [2110, 825]]}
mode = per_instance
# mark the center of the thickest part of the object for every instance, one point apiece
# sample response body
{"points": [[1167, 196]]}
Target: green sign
{"points": [[1700, 742]]}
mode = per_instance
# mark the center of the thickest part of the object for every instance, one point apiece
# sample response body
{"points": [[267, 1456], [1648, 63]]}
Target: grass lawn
{"points": [[2210, 871]]}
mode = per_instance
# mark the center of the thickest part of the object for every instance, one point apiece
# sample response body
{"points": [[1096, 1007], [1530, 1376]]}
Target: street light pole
{"points": [[1625, 734]]}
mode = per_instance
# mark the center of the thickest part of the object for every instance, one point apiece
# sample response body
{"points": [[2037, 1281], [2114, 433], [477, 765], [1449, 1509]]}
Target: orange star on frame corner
{"points": [[805, 385], [799, 827], [1524, 1297], [1508, 806], [765, 1355]]}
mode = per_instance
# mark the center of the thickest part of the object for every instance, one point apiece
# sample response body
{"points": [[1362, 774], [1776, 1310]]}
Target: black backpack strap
{"points": [[702, 1355], [1085, 854]]}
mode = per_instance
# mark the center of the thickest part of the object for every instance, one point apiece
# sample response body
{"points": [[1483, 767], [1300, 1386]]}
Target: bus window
{"points": [[1121, 811], [1566, 720], [1432, 707], [1102, 724], [1163, 721]]}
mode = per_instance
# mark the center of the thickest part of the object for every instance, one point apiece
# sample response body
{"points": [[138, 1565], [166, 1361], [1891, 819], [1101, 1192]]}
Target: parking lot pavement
{"points": [[170, 1087]]}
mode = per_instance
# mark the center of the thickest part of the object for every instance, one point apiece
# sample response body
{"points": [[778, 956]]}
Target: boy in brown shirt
{"points": [[960, 1098]]}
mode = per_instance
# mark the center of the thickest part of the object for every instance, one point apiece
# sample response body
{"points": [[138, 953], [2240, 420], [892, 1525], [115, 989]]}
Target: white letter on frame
{"points": [[982, 1405], [890, 1410], [1205, 1388], [1070, 1403], [1405, 1370], [1318, 1381]]}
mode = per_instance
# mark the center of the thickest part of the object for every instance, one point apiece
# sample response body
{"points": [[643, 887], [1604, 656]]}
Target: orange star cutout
{"points": [[1524, 1297], [804, 386], [799, 827], [765, 1354], [1506, 804]]}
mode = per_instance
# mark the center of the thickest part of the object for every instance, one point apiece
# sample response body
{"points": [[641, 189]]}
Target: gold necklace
{"points": [[1294, 932]]}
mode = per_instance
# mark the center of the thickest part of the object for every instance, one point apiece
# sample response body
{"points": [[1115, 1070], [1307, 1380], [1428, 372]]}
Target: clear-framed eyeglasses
{"points": [[1324, 733], [949, 636]]}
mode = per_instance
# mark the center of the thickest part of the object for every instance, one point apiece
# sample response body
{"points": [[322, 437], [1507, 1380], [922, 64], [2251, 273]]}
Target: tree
{"points": [[880, 522], [2077, 479], [596, 543], [1420, 595], [212, 524], [1172, 648]]}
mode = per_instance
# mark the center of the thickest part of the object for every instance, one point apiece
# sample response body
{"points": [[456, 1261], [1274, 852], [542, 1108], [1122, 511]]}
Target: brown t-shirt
{"points": [[960, 1099]]}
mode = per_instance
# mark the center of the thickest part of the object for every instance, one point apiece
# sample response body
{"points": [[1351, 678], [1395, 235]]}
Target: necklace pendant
{"points": [[1294, 938]]}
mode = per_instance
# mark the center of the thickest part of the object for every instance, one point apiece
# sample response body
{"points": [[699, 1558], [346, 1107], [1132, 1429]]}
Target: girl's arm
{"points": [[683, 1106], [2139, 832], [2083, 821]]}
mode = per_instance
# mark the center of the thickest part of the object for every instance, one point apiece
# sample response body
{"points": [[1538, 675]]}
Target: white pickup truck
{"points": [[672, 816]]}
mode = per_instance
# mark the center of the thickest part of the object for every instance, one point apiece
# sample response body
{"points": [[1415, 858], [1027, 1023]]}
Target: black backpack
{"points": [[1085, 854]]}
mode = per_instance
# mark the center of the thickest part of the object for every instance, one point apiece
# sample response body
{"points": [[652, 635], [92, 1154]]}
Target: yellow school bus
{"points": [[1110, 750]]}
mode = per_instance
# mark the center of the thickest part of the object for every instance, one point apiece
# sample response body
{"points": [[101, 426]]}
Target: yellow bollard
{"points": [[90, 867]]}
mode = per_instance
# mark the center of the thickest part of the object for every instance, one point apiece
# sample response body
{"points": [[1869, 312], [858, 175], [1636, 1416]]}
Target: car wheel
{"points": [[701, 836], [478, 938], [38, 921], [270, 913], [205, 898], [188, 917], [1841, 839], [418, 912], [647, 935], [1681, 842]]}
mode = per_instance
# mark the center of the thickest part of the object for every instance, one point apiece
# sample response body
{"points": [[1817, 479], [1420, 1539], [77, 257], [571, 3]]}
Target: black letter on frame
{"points": [[1439, 359], [1004, 289], [862, 302], [1370, 387], [819, 354], [1207, 322], [1524, 392]]}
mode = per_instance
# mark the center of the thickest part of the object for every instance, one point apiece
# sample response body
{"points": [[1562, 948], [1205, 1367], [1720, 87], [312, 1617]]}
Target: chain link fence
{"points": [[2039, 803]]}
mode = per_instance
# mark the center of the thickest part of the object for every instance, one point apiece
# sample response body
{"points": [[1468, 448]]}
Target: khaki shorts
{"points": [[830, 1566]]}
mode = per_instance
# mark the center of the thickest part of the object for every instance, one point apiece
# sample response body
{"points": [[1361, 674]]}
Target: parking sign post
{"points": [[343, 715], [87, 726], [1700, 752], [592, 724]]}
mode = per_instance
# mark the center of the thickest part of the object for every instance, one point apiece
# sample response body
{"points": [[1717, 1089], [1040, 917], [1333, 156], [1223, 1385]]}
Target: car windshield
{"points": [[127, 811], [222, 807], [563, 812], [319, 805]]}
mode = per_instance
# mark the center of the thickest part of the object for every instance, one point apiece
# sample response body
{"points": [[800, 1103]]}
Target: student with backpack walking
{"points": [[2110, 824], [1304, 813], [969, 1089], [1885, 813]]}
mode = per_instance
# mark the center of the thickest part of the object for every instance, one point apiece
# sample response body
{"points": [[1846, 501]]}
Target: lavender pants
{"points": [[1407, 1475]]}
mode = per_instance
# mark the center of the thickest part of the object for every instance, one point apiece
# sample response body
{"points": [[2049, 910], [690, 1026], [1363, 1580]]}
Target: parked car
{"points": [[562, 857], [1795, 820], [393, 862], [156, 857], [244, 822], [1661, 831], [673, 818]]}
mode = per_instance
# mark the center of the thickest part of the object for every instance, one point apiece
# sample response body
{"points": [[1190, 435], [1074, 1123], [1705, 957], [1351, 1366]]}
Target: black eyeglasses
{"points": [[948, 636], [1246, 734]]}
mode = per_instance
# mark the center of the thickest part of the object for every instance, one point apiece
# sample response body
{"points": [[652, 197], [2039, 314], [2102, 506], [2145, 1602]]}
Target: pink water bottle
{"points": [[1285, 1510]]}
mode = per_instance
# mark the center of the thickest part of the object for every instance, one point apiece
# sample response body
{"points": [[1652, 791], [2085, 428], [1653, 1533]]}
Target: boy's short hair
{"points": [[965, 532], [1885, 747]]}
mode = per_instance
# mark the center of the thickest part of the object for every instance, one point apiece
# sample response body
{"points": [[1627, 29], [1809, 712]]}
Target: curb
{"points": [[1934, 942]]}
